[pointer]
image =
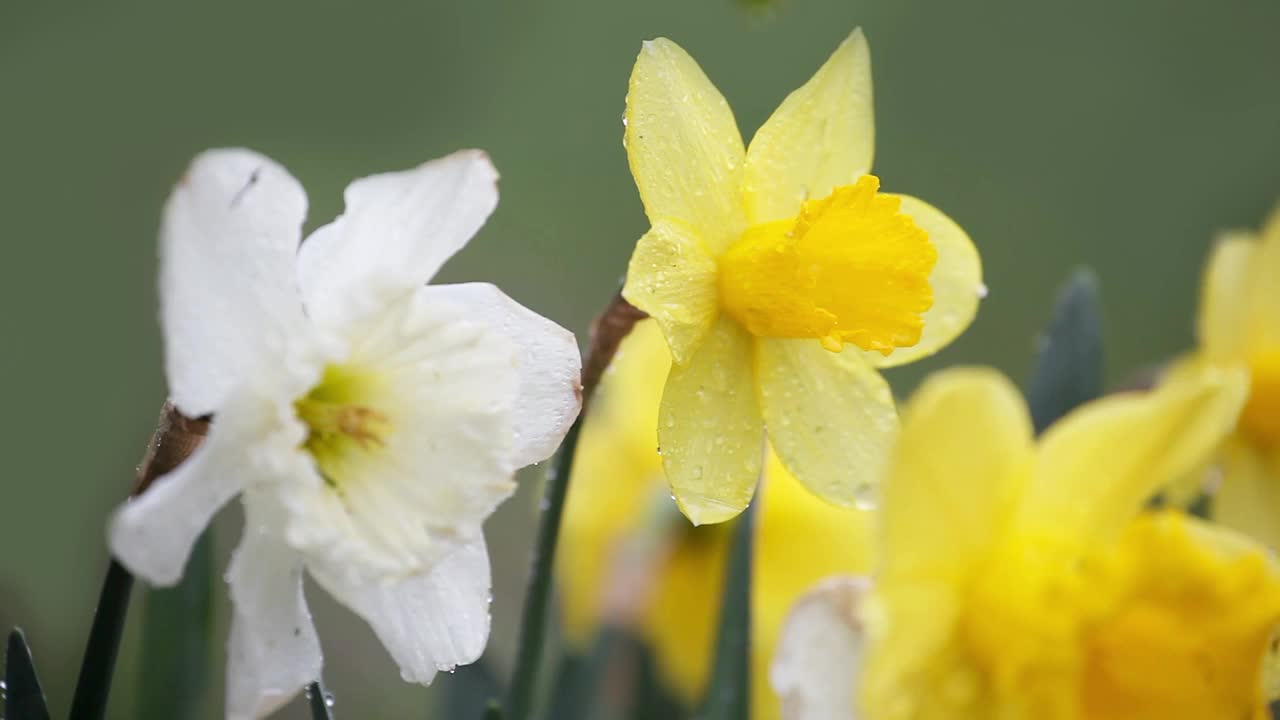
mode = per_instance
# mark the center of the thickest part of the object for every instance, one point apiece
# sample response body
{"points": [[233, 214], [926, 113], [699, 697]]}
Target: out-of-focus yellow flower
{"points": [[759, 258], [1024, 580], [618, 498], [1239, 325]]}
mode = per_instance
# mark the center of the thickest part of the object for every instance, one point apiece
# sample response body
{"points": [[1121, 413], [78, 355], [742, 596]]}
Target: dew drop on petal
{"points": [[982, 290], [864, 497]]}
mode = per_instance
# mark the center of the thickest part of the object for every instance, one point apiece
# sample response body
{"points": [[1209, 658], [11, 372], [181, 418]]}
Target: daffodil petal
{"points": [[1087, 485], [912, 631], [397, 230], [830, 417], [616, 470], [821, 137], [820, 653], [446, 383], [673, 279], [683, 145], [963, 453], [800, 540], [432, 621], [956, 281], [1249, 497], [709, 427], [273, 651], [550, 365], [1224, 306], [152, 534], [1264, 285], [229, 306]]}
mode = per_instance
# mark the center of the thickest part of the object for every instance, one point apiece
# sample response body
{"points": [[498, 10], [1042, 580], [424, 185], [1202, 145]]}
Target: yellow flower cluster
{"points": [[1005, 576]]}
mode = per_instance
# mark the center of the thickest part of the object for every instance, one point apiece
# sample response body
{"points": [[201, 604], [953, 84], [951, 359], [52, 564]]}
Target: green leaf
{"points": [[1068, 367], [94, 684], [320, 701], [729, 690], [24, 698], [466, 692], [176, 641]]}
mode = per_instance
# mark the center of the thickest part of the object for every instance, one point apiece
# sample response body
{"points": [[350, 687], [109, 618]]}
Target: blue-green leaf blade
{"points": [[729, 690], [24, 698], [177, 640], [1068, 368]]}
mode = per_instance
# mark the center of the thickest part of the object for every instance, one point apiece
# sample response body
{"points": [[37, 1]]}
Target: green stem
{"points": [[94, 685], [607, 333], [533, 623], [729, 689], [175, 438]]}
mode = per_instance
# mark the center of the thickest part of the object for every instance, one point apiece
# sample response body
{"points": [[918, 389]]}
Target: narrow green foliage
{"points": [[1068, 369], [320, 701], [23, 698], [94, 684], [537, 604], [729, 691], [176, 641]]}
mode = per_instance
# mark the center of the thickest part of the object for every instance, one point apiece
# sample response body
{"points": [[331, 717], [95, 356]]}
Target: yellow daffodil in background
{"points": [[620, 522], [1239, 325], [762, 264], [1019, 579]]}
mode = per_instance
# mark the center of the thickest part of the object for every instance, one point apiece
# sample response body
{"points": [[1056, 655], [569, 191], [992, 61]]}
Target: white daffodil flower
{"points": [[370, 423]]}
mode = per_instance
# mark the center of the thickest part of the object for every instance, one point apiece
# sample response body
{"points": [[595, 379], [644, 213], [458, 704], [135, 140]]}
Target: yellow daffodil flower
{"points": [[617, 476], [1239, 325], [1019, 579], [763, 263]]}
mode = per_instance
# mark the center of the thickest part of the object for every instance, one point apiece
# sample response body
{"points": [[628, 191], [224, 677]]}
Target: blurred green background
{"points": [[1118, 134]]}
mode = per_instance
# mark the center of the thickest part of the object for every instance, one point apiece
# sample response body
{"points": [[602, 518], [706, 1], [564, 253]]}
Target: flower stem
{"points": [[175, 438], [607, 333]]}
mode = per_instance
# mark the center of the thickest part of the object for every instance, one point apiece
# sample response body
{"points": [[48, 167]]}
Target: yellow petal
{"points": [[913, 650], [1100, 463], [800, 540], [964, 451], [709, 427], [822, 136], [1224, 303], [1264, 304], [673, 279], [1249, 497], [616, 474], [830, 417], [850, 269], [820, 651], [680, 618], [683, 145], [956, 281]]}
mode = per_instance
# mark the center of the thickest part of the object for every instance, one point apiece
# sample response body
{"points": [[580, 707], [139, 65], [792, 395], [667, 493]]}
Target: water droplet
{"points": [[328, 700], [982, 290], [865, 497]]}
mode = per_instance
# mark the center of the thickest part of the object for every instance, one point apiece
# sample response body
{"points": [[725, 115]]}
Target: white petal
{"points": [[273, 651], [432, 621], [447, 387], [550, 365], [228, 294], [396, 232], [820, 652]]}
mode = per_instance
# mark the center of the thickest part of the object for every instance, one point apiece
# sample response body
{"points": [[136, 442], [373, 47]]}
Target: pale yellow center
{"points": [[1260, 420], [851, 268], [343, 426]]}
